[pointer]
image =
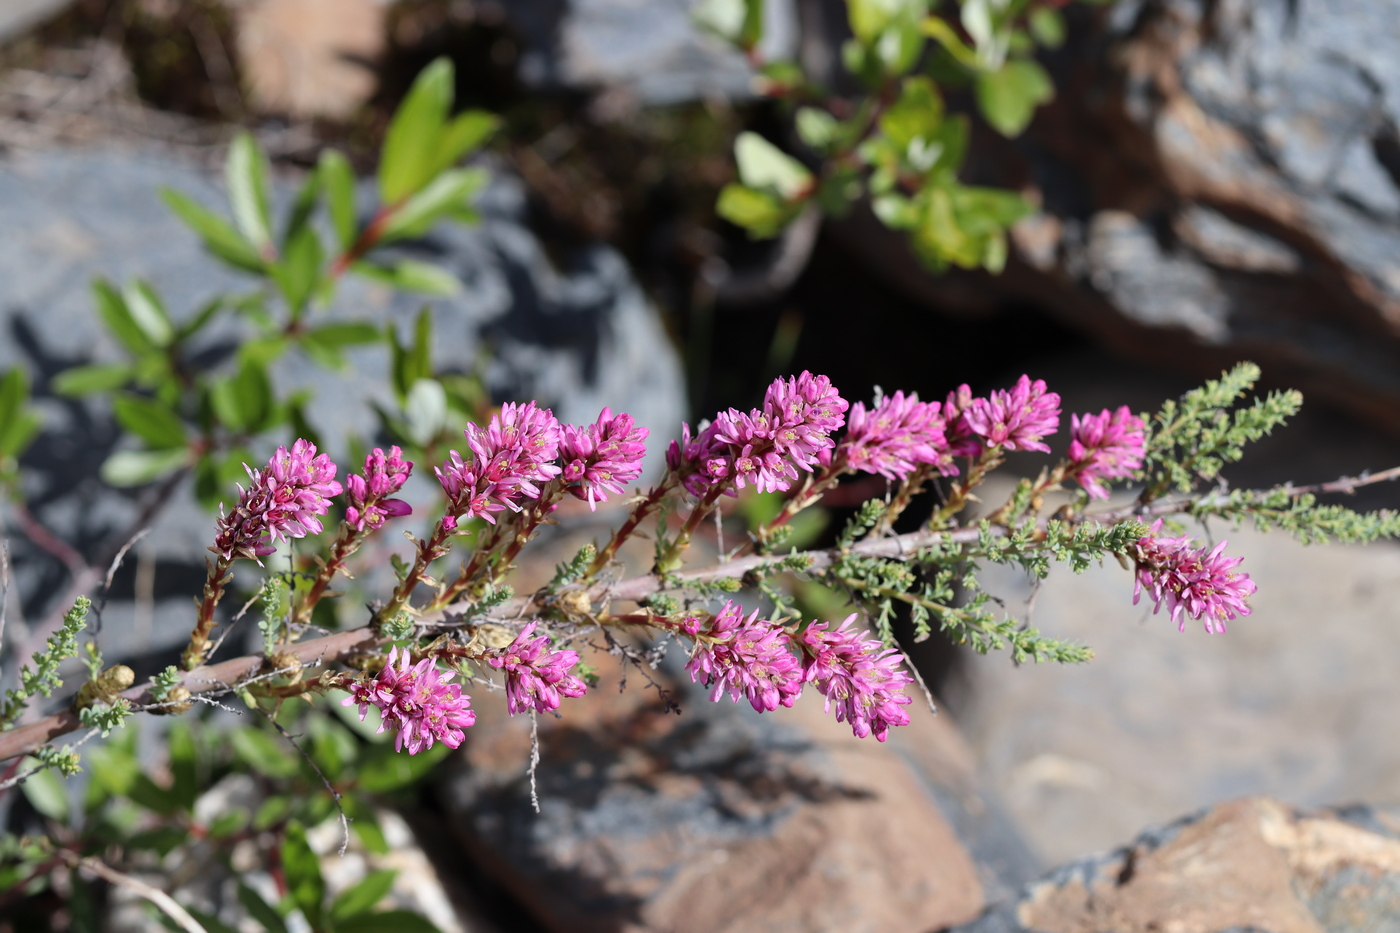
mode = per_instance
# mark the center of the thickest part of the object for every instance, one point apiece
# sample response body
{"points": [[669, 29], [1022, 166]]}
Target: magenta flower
{"points": [[765, 447], [602, 458], [747, 657], [896, 437], [283, 500], [857, 673], [536, 675], [510, 456], [802, 413], [1108, 445], [1190, 580], [1016, 418], [962, 440], [369, 494], [417, 701]]}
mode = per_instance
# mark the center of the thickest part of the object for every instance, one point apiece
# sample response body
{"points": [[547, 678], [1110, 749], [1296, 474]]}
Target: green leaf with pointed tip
{"points": [[1008, 97], [761, 213], [302, 870], [245, 173], [219, 236], [46, 791], [127, 468], [446, 193], [148, 313], [1048, 27], [338, 184], [260, 910], [406, 162], [764, 166], [413, 276], [303, 207], [463, 134], [151, 420], [736, 21], [384, 769], [364, 896], [299, 271], [111, 307], [389, 921], [244, 402]]}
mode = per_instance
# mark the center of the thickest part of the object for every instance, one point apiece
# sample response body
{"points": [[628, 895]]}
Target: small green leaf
{"points": [[299, 271], [386, 770], [1048, 26], [303, 207], [245, 172], [18, 426], [764, 166], [149, 419], [817, 128], [260, 910], [111, 307], [114, 768], [127, 468], [46, 792], [762, 214], [345, 333], [86, 380], [244, 402], [219, 236], [263, 753], [390, 921], [406, 162], [149, 314], [412, 275], [916, 115], [338, 183], [228, 823], [426, 411], [443, 195], [415, 361], [464, 133], [944, 34], [1008, 97], [302, 870], [365, 822], [364, 896], [183, 766], [736, 21]]}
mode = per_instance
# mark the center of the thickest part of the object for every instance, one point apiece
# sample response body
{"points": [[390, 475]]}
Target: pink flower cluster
{"points": [[766, 446], [417, 701], [747, 657], [1108, 445], [601, 459], [859, 674], [514, 453], [369, 494], [1188, 579], [1015, 418], [896, 437], [537, 676], [753, 659], [283, 500]]}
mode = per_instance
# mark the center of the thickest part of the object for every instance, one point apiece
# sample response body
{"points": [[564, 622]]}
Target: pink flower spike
{"points": [[283, 500], [896, 437], [860, 675], [1190, 580], [1108, 445], [1016, 418], [747, 657], [417, 701], [602, 458], [962, 440], [384, 475], [802, 412], [536, 675]]}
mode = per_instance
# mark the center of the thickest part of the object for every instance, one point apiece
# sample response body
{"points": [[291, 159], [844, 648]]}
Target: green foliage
{"points": [[164, 682], [1191, 439], [274, 600], [42, 678], [572, 569], [18, 424], [106, 716]]}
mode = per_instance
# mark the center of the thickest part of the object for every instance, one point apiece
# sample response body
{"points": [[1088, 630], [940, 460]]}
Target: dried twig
{"points": [[164, 902]]}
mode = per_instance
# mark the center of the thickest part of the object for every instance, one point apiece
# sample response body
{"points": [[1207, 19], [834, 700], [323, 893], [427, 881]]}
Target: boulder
{"points": [[1218, 181], [719, 819], [1252, 864]]}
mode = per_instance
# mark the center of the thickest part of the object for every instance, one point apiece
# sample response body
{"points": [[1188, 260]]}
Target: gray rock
{"points": [[650, 49], [1220, 180], [577, 337]]}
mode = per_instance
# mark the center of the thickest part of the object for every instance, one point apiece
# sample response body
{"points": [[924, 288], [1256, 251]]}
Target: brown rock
{"points": [[310, 58], [717, 819], [1251, 864]]}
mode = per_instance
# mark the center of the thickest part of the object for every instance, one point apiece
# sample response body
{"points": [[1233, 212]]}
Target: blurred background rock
{"points": [[1218, 181]]}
